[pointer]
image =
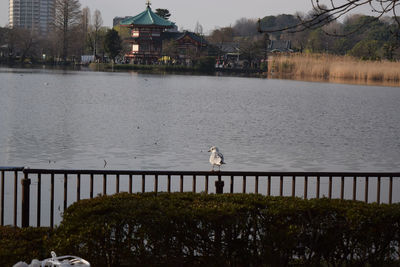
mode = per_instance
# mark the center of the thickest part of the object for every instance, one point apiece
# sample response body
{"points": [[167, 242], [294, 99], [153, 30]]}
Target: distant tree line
{"points": [[360, 36], [77, 32], [74, 32]]}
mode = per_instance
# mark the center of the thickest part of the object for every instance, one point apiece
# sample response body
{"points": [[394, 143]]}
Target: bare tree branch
{"points": [[323, 15]]}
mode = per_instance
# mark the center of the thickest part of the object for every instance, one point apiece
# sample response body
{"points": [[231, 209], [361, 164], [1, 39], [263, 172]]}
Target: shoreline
{"points": [[283, 74]]}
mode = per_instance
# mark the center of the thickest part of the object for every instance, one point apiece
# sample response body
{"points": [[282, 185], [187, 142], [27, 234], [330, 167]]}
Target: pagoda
{"points": [[146, 35]]}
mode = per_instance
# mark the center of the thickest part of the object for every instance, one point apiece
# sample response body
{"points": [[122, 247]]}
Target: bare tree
{"points": [[198, 29], [97, 24], [85, 27], [324, 14], [221, 35], [245, 27], [67, 18]]}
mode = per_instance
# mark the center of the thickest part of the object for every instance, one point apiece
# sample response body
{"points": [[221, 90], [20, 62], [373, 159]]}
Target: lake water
{"points": [[78, 119], [82, 119]]}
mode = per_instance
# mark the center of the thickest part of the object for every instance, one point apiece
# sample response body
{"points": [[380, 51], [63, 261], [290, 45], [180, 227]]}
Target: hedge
{"points": [[229, 230], [23, 244], [185, 229]]}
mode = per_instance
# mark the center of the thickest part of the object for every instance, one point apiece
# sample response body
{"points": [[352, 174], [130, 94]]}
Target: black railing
{"points": [[343, 185]]}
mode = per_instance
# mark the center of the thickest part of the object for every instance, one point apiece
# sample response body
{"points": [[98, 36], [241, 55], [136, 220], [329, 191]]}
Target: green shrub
{"points": [[229, 230], [23, 244], [185, 229]]}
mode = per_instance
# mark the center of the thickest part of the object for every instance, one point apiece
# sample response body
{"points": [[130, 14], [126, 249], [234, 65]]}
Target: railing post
{"points": [[305, 186], [25, 200], [219, 186], [206, 184], [293, 186], [169, 183], [15, 197], [2, 199], [194, 184], [256, 185], [366, 189]]}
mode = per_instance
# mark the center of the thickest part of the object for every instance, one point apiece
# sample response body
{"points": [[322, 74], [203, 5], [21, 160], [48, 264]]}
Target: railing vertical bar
{"points": [[117, 184], [194, 184], [78, 187], [25, 200], [104, 184], [15, 197], [39, 197], [269, 186], [244, 184], [390, 190], [65, 190], [156, 183], [130, 183], [342, 188], [91, 185], [354, 188], [232, 184], [143, 183], [305, 187], [366, 189], [2, 199], [378, 191], [206, 184], [181, 184], [281, 186], [318, 189], [330, 188], [256, 185], [169, 184], [293, 186], [52, 200]]}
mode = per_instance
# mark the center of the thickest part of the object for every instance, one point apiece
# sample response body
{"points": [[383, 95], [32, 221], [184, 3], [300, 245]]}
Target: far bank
{"points": [[331, 68], [306, 67]]}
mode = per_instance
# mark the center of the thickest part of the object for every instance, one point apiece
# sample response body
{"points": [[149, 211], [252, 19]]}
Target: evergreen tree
{"points": [[164, 13], [112, 44]]}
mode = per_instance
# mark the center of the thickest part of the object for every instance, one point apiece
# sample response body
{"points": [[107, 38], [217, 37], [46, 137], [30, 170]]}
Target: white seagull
{"points": [[216, 158]]}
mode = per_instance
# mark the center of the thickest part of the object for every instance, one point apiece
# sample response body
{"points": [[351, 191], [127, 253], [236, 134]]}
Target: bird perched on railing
{"points": [[216, 158]]}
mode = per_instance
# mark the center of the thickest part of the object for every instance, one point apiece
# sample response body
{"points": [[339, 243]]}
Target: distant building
{"points": [[146, 40], [34, 15], [283, 46], [230, 51], [148, 31], [187, 42], [117, 20]]}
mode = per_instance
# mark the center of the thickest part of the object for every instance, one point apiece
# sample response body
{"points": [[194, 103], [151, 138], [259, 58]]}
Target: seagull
{"points": [[216, 158]]}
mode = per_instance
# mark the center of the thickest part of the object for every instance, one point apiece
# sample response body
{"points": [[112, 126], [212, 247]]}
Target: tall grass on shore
{"points": [[335, 68]]}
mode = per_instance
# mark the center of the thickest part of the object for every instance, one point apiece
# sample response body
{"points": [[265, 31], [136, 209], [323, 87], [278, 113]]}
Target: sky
{"points": [[210, 14]]}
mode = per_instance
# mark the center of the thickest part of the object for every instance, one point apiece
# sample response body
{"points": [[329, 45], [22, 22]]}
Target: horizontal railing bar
{"points": [[208, 173], [11, 169]]}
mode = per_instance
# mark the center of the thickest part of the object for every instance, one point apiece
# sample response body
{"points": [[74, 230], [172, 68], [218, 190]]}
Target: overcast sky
{"points": [[210, 14]]}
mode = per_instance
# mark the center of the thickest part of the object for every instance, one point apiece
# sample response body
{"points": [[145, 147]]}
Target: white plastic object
{"points": [[64, 261]]}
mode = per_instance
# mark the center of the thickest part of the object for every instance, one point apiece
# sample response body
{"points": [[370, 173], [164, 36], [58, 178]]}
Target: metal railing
{"points": [[14, 171], [342, 185]]}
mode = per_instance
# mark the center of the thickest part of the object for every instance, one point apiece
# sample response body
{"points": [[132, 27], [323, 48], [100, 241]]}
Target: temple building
{"points": [[146, 40], [148, 33]]}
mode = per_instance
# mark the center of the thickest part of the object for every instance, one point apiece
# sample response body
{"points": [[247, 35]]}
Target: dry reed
{"points": [[335, 68]]}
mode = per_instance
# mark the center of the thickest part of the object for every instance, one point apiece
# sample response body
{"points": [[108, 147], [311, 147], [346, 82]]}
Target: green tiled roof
{"points": [[147, 17]]}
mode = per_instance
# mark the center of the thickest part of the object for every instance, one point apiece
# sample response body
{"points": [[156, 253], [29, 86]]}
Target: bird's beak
{"points": [[209, 150]]}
